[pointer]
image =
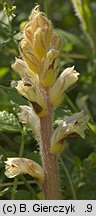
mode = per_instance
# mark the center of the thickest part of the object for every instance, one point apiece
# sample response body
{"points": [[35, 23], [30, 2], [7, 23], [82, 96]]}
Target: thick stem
{"points": [[50, 186]]}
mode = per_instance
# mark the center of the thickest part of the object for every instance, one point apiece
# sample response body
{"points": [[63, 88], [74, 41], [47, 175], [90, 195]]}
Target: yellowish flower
{"points": [[67, 78], [15, 166], [50, 67], [77, 123], [30, 91], [21, 68], [38, 32], [30, 57], [28, 116]]}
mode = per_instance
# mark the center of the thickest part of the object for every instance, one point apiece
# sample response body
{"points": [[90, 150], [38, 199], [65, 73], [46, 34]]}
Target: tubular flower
{"points": [[21, 68], [15, 166], [30, 91], [28, 116], [74, 124], [67, 78]]}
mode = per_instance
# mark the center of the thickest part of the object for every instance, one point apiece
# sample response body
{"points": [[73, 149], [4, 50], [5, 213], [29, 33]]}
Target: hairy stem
{"points": [[50, 186]]}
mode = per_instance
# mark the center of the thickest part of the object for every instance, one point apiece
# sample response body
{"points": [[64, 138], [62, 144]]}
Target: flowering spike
{"points": [[39, 48], [41, 85], [15, 166], [76, 123]]}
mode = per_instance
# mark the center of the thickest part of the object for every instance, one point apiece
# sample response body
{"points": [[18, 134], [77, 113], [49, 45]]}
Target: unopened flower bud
{"points": [[15, 166], [29, 56], [40, 42], [38, 33], [38, 20], [77, 123], [67, 78]]}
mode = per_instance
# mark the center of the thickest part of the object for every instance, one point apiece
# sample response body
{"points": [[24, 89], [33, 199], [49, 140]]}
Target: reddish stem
{"points": [[50, 186]]}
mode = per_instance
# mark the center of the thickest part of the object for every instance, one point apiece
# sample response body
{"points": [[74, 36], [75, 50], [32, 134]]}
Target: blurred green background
{"points": [[75, 21]]}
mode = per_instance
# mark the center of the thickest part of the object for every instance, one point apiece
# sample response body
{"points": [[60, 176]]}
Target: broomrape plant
{"points": [[44, 87]]}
